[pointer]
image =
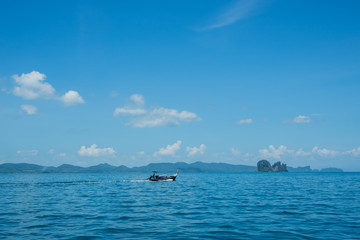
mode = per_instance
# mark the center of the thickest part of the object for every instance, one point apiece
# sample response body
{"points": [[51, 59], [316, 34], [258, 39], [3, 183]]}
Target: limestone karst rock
{"points": [[265, 166]]}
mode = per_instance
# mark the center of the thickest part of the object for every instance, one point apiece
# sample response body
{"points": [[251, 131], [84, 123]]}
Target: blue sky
{"points": [[134, 82]]}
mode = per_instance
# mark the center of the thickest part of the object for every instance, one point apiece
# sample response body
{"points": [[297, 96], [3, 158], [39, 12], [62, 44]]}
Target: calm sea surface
{"points": [[195, 206]]}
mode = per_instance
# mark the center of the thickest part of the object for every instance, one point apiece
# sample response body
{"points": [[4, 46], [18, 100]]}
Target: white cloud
{"points": [[324, 152], [138, 99], [235, 151], [355, 151], [32, 85], [71, 98], [238, 10], [62, 155], [272, 152], [93, 151], [248, 156], [29, 109], [154, 117], [129, 111], [163, 117], [195, 151], [114, 94], [28, 152], [301, 153], [302, 119], [141, 153], [169, 150], [245, 121], [51, 151]]}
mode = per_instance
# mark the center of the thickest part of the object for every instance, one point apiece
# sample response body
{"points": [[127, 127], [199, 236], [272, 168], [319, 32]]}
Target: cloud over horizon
{"points": [[354, 152], [196, 150], [169, 150], [323, 152], [27, 153], [277, 153], [94, 151], [235, 152], [272, 152]]}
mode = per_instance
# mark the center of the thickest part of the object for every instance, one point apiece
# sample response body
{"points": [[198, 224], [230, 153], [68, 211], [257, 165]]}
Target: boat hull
{"points": [[163, 178]]}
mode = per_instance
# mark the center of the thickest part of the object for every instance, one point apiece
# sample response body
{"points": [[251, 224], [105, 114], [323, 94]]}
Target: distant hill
{"points": [[265, 166], [21, 168], [300, 169], [160, 167], [308, 169], [331, 170], [194, 167]]}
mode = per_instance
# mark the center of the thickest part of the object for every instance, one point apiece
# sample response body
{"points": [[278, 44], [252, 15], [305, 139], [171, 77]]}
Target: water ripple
{"points": [[196, 206]]}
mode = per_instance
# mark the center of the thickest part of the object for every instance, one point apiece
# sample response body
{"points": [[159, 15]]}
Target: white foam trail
{"points": [[146, 180], [136, 180]]}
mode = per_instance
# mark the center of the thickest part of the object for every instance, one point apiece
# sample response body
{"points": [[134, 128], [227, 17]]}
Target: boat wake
{"points": [[146, 180], [143, 180], [80, 182]]}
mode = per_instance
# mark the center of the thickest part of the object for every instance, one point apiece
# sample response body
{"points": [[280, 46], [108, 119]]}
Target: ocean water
{"points": [[195, 206]]}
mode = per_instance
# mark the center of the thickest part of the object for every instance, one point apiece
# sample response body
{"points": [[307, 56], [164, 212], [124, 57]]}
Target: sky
{"points": [[135, 82]]}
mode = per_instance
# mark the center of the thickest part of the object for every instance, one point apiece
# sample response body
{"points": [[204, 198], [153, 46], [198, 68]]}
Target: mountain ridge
{"points": [[160, 167]]}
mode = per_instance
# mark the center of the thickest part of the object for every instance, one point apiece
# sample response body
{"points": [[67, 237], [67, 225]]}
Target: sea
{"points": [[195, 206]]}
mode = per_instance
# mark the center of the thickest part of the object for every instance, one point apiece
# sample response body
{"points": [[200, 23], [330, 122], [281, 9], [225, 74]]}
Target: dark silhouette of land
{"points": [[265, 166], [160, 167]]}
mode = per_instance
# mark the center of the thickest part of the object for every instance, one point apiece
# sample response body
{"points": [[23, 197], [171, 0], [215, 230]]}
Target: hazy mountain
{"points": [[104, 167], [160, 167], [300, 169], [308, 169], [331, 170], [20, 168]]}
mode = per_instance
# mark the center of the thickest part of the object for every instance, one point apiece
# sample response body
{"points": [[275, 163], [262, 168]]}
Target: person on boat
{"points": [[154, 176]]}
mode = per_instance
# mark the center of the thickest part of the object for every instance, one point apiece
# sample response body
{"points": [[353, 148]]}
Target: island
{"points": [[265, 166], [196, 167]]}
